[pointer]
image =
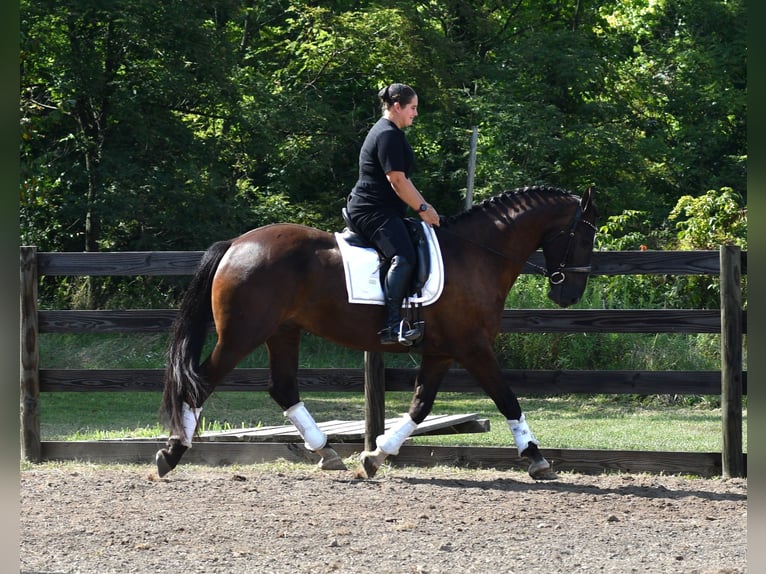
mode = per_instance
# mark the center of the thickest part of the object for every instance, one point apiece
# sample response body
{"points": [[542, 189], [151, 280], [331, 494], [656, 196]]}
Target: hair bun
{"points": [[396, 93]]}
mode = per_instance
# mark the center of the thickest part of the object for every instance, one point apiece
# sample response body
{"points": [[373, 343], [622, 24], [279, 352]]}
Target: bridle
{"points": [[558, 276]]}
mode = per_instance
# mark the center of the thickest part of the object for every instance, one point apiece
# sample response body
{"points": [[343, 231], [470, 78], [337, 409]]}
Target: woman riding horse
{"points": [[270, 284], [379, 200]]}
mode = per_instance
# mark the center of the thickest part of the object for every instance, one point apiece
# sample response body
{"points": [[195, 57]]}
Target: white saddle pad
{"points": [[360, 265]]}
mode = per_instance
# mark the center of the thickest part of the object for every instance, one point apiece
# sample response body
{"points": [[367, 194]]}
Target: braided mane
{"points": [[507, 199]]}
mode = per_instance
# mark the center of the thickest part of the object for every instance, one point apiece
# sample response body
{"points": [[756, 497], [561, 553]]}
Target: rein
{"points": [[558, 276]]}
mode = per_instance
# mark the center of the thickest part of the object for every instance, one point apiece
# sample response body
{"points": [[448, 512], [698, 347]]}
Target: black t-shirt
{"points": [[384, 149]]}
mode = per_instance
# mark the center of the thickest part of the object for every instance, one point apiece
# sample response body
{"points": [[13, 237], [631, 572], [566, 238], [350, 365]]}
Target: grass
{"points": [[586, 422], [574, 421]]}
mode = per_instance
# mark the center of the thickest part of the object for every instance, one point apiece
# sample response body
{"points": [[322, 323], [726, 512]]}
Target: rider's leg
{"points": [[395, 289], [393, 240]]}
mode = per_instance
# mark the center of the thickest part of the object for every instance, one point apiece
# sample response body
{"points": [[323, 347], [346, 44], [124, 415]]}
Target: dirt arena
{"points": [[288, 518]]}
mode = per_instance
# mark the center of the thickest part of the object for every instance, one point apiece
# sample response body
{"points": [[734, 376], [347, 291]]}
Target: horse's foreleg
{"points": [[426, 385], [482, 364], [388, 443], [527, 445]]}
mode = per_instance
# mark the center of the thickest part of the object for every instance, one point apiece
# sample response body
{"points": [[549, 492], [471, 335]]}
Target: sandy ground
{"points": [[296, 518]]}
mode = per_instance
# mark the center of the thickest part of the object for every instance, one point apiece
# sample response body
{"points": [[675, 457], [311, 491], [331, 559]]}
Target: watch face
{"points": [[423, 207]]}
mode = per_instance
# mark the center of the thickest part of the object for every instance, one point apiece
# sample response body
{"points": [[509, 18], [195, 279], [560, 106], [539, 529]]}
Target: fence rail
{"points": [[729, 263]]}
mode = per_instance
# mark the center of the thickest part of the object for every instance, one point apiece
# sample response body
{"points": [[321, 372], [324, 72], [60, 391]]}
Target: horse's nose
{"points": [[574, 300], [563, 299]]}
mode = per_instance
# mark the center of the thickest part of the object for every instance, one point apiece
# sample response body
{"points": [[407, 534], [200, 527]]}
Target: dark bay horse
{"points": [[271, 283]]}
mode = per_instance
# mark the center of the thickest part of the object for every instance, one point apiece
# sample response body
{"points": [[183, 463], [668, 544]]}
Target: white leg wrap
{"points": [[190, 420], [393, 438], [314, 438], [522, 435]]}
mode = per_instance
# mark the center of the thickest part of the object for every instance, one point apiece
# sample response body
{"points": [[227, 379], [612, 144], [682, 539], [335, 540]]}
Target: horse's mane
{"points": [[507, 200]]}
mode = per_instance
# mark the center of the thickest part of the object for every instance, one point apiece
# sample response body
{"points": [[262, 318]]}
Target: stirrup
{"points": [[393, 335], [409, 333], [388, 336]]}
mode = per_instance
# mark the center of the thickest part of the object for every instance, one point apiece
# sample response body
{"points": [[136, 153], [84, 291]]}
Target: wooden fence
{"points": [[374, 379]]}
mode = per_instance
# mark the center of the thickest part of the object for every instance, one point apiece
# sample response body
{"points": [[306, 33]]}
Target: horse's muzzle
{"points": [[564, 297]]}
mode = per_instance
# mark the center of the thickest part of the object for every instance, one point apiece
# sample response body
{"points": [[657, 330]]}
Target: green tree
{"points": [[119, 101], [169, 125], [719, 217], [679, 81]]}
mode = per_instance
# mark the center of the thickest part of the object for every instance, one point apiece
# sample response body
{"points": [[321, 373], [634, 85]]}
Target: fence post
{"points": [[29, 374], [374, 398], [732, 460], [471, 167]]}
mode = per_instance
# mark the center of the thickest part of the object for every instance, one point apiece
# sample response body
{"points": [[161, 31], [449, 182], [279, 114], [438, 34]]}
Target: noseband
{"points": [[558, 276]]}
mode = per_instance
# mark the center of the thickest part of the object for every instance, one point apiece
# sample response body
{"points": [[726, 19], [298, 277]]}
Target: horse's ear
{"points": [[587, 198]]}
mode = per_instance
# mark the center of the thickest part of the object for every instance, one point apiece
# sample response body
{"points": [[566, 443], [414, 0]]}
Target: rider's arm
{"points": [[409, 194]]}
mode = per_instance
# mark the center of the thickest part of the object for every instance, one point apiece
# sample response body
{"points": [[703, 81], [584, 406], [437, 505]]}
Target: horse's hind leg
{"points": [[223, 358], [283, 349]]}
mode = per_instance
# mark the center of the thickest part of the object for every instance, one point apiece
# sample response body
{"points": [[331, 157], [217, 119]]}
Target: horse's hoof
{"points": [[541, 470], [334, 464], [163, 466], [168, 458], [369, 465], [330, 460]]}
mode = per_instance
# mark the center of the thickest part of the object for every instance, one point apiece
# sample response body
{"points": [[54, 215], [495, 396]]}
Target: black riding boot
{"points": [[395, 288]]}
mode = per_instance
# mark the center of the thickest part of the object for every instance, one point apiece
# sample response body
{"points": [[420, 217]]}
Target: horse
{"points": [[272, 283]]}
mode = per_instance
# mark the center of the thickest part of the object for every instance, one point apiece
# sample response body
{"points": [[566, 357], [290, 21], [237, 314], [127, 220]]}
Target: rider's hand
{"points": [[430, 216]]}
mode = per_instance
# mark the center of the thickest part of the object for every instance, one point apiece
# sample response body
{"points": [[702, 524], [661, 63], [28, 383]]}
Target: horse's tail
{"points": [[183, 380]]}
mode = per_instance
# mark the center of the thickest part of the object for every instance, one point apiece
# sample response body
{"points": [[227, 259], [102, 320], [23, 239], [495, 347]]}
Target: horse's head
{"points": [[568, 254]]}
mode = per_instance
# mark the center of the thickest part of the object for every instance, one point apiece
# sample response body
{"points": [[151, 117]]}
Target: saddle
{"points": [[423, 255]]}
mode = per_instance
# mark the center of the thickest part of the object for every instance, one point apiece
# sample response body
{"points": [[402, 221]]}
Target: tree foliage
{"points": [[708, 221], [169, 125]]}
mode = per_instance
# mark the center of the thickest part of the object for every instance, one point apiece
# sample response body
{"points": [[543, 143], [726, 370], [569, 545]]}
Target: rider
{"points": [[378, 202]]}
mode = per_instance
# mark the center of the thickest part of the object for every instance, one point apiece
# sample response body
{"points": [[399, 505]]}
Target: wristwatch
{"points": [[423, 207]]}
